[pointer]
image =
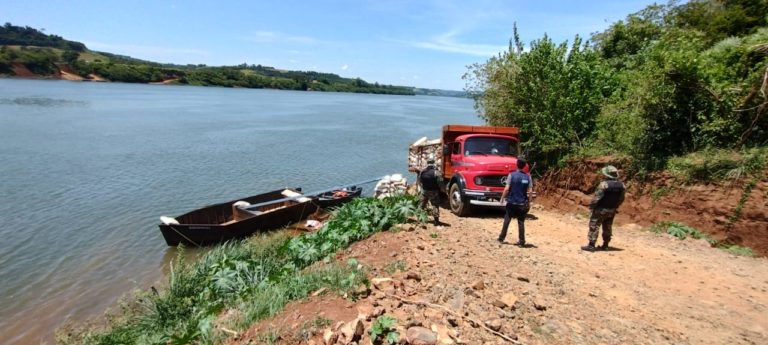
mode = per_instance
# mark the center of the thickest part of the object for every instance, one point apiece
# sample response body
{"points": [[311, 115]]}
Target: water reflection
{"points": [[42, 102]]}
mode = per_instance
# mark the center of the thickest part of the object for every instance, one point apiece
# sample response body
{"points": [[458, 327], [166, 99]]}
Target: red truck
{"points": [[473, 161]]}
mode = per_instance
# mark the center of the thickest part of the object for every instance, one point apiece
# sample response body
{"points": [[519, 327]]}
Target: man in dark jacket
{"points": [[516, 195], [608, 197], [430, 190]]}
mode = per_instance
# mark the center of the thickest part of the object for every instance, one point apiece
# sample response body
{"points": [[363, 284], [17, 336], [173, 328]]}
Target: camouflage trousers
{"points": [[431, 197], [604, 217]]}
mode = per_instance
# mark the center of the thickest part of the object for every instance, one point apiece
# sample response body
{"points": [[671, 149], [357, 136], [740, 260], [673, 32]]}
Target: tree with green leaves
{"points": [[554, 91]]}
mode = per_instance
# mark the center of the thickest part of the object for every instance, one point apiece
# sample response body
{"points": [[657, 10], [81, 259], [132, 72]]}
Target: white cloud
{"points": [[447, 43], [345, 67]]}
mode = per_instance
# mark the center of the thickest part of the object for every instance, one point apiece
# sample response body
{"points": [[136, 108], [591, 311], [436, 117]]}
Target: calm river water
{"points": [[86, 169]]}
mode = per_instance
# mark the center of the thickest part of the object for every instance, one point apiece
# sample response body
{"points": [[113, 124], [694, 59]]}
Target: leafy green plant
{"points": [[682, 231], [383, 330], [679, 230], [258, 276], [434, 235], [355, 221]]}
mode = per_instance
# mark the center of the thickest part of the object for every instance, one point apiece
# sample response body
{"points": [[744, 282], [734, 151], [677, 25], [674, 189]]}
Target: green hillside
{"points": [[44, 55]]}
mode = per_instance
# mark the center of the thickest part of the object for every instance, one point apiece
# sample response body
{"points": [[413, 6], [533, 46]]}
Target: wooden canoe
{"points": [[226, 221], [337, 197]]}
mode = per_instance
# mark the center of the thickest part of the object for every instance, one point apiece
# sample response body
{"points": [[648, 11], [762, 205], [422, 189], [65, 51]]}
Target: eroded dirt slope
{"points": [[710, 208]]}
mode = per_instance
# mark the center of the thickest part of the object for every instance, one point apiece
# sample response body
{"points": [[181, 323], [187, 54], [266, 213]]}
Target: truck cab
{"points": [[474, 163]]}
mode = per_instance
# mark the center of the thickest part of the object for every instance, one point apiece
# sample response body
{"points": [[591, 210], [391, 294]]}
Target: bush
{"points": [[659, 84], [714, 165], [554, 90]]}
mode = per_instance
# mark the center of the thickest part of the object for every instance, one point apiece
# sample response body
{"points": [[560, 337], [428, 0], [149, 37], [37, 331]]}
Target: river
{"points": [[86, 169]]}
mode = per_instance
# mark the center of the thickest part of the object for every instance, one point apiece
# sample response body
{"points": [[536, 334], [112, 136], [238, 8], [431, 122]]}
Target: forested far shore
{"points": [[28, 52]]}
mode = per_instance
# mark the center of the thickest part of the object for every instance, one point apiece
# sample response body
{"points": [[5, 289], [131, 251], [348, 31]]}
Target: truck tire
{"points": [[459, 206]]}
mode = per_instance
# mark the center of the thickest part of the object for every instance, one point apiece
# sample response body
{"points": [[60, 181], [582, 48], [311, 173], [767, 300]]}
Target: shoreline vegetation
{"points": [[26, 52], [239, 283], [668, 81], [675, 95]]}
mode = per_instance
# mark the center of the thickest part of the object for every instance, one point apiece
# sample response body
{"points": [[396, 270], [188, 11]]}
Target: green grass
{"points": [[257, 277], [738, 250], [714, 165], [269, 337], [682, 231]]}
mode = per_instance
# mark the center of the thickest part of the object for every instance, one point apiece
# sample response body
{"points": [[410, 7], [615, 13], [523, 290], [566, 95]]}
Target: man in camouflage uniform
{"points": [[608, 197], [430, 190]]}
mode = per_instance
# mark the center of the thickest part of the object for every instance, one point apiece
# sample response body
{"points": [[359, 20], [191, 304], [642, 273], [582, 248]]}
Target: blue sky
{"points": [[419, 43]]}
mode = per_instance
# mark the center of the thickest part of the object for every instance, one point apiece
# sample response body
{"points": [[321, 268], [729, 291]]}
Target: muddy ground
{"points": [[455, 282]]}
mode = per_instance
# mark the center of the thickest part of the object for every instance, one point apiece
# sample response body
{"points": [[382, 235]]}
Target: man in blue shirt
{"points": [[516, 195]]}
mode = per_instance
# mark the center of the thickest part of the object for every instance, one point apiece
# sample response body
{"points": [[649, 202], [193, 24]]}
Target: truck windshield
{"points": [[490, 146]]}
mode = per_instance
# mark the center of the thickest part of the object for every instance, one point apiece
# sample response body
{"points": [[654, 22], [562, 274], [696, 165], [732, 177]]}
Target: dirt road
{"points": [[652, 289]]}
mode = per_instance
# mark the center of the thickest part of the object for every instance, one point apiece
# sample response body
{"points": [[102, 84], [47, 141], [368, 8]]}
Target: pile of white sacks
{"points": [[390, 185]]}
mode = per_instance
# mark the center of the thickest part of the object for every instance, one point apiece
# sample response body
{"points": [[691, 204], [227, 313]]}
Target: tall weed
{"points": [[257, 276], [718, 165]]}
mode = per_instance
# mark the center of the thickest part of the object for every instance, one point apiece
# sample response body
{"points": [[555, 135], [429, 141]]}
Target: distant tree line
{"points": [[666, 81], [42, 53], [27, 36]]}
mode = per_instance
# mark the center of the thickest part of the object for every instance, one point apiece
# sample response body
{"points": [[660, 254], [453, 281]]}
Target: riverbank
{"points": [[239, 283], [456, 284]]}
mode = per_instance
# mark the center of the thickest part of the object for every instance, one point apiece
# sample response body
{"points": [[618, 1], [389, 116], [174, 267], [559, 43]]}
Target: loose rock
{"points": [[507, 300], [330, 337], [353, 330], [420, 336], [478, 285], [494, 324]]}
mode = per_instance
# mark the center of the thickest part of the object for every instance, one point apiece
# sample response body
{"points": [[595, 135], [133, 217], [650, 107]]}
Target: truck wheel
{"points": [[459, 206]]}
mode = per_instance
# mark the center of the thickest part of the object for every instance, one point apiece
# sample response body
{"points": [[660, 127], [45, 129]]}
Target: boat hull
{"points": [[223, 222], [328, 200]]}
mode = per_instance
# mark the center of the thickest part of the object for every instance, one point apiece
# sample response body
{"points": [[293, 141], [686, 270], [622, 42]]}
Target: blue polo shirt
{"points": [[518, 182]]}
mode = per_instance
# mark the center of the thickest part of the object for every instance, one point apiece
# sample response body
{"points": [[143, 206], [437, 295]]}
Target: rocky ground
{"points": [[455, 284]]}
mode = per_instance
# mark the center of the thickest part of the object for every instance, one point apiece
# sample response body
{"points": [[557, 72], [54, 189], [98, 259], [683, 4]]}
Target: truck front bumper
{"points": [[484, 198]]}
